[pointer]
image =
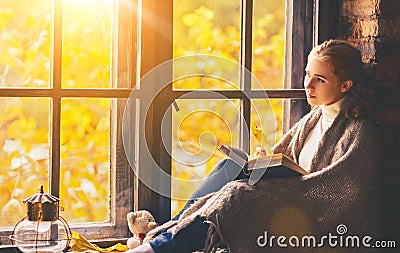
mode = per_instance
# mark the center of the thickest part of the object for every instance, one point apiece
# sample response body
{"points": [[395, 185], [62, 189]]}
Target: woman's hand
{"points": [[260, 152]]}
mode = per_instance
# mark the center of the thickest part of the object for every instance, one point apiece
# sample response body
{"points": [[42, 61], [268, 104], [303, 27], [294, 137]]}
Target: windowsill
{"points": [[109, 242], [101, 243]]}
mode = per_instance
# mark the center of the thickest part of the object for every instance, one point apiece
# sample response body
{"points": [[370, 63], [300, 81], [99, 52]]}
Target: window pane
{"points": [[266, 123], [203, 27], [268, 42], [197, 129], [86, 43], [208, 81], [24, 154], [85, 159], [25, 43]]}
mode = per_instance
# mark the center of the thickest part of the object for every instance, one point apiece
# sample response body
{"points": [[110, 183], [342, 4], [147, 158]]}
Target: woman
{"points": [[334, 142]]}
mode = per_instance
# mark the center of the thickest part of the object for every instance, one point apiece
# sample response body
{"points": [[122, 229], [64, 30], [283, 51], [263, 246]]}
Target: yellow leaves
{"points": [[206, 122], [41, 136], [11, 212], [201, 33], [87, 44], [5, 193], [85, 167], [258, 134], [5, 15], [24, 155], [184, 175], [23, 119], [25, 49], [81, 244], [103, 124], [16, 185], [199, 15], [23, 124], [30, 22], [85, 200]]}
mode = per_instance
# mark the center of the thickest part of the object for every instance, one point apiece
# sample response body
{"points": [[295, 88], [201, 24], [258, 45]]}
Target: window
{"points": [[252, 35], [84, 98], [64, 79], [188, 122]]}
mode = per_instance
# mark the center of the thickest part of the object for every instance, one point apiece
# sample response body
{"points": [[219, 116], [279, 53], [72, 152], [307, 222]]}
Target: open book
{"points": [[274, 166]]}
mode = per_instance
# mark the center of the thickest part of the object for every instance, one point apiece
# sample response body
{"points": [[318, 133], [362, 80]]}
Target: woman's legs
{"points": [[188, 239], [193, 236], [224, 171]]}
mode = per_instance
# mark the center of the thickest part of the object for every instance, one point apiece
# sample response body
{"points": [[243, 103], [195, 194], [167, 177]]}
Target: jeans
{"points": [[193, 236]]}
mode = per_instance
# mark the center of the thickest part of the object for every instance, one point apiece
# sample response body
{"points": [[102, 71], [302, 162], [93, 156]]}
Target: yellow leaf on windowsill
{"points": [[81, 244]]}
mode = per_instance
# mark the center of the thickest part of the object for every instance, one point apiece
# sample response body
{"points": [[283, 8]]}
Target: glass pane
{"points": [[25, 43], [24, 154], [268, 43], [203, 27], [207, 82], [85, 159], [266, 123], [86, 45], [198, 128]]}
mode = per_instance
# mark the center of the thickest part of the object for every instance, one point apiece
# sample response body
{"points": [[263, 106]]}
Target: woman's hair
{"points": [[346, 64]]}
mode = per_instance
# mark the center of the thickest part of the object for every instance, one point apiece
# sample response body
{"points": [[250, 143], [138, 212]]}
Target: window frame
{"points": [[300, 27], [123, 78]]}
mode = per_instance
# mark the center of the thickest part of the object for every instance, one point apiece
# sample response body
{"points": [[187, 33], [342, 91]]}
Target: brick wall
{"points": [[374, 27]]}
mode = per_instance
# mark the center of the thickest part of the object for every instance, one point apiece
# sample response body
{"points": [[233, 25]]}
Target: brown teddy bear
{"points": [[140, 223]]}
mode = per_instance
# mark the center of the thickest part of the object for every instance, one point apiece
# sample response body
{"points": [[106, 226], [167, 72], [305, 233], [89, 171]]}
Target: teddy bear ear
{"points": [[131, 216]]}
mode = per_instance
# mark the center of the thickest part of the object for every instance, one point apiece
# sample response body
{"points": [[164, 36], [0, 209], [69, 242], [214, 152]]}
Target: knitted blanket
{"points": [[333, 208]]}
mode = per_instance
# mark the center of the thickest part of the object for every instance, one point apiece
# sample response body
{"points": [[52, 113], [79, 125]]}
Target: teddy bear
{"points": [[139, 223]]}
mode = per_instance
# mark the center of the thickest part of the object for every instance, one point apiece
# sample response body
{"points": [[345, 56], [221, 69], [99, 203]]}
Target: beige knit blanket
{"points": [[339, 198]]}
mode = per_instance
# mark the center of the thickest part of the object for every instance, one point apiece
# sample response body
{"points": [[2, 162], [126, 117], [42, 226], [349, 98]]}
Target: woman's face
{"points": [[322, 86]]}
